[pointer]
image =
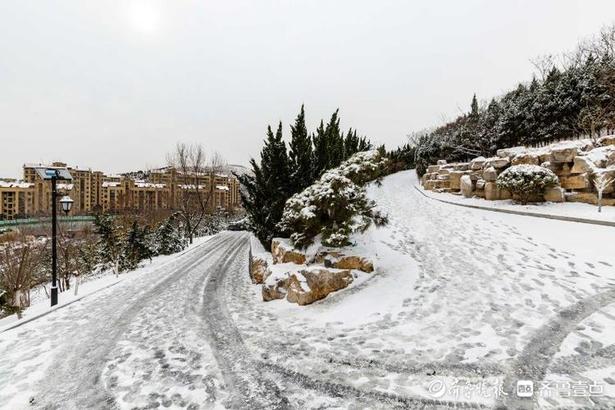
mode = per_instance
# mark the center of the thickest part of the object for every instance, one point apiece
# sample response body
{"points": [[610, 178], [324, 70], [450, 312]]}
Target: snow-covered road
{"points": [[470, 302]]}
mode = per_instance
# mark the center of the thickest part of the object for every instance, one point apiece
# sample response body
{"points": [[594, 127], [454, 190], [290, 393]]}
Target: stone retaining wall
{"points": [[575, 163]]}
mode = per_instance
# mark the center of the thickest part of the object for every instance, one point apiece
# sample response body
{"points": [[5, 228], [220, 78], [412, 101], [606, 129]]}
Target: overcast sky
{"points": [[114, 84]]}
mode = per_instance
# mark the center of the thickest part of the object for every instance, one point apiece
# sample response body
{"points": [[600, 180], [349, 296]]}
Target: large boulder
{"points": [[441, 162], [585, 197], [477, 163], [490, 174], [493, 193], [455, 179], [563, 152], [497, 162], [467, 186], [283, 252], [429, 185], [258, 268], [563, 170], [433, 168], [526, 158], [275, 286], [606, 140], [442, 184], [312, 284], [461, 166], [510, 152], [349, 262], [580, 181], [582, 165], [555, 194]]}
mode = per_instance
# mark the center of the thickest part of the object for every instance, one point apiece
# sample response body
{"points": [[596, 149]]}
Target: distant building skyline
{"points": [[93, 191], [110, 83]]}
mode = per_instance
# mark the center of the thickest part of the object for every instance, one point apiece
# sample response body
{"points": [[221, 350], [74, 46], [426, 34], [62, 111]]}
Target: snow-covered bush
{"points": [[527, 181], [169, 238], [336, 205], [363, 167]]}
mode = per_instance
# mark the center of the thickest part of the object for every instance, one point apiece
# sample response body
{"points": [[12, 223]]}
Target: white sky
{"points": [[113, 84]]}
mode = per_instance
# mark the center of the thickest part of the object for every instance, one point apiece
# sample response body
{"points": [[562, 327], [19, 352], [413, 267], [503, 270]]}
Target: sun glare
{"points": [[144, 16]]}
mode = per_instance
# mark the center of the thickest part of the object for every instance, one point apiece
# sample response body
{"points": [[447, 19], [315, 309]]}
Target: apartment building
{"points": [[16, 199], [93, 191]]}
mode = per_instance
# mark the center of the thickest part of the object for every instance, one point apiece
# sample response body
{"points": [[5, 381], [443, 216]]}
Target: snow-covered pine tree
{"points": [[136, 248], [168, 237], [474, 107], [110, 243], [335, 141], [300, 154], [336, 205], [321, 151], [269, 187]]}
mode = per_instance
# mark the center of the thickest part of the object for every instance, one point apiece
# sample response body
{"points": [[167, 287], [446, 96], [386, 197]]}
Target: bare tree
{"points": [[544, 64], [18, 261], [591, 121], [601, 183], [193, 173]]}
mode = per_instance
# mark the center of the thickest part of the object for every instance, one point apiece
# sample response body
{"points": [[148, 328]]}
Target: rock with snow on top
{"points": [[526, 158], [312, 284], [582, 165], [564, 152], [510, 152], [283, 252], [477, 163], [258, 268], [490, 174], [606, 140], [349, 262], [497, 162]]}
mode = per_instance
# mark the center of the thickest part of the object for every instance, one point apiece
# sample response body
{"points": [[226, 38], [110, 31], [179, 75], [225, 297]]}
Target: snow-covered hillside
{"points": [[463, 303]]}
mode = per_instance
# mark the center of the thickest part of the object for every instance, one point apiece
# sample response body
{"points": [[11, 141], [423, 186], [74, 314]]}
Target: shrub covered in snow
{"points": [[527, 181], [336, 205]]}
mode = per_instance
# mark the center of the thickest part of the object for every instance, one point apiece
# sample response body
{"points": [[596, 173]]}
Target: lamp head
{"points": [[67, 203]]}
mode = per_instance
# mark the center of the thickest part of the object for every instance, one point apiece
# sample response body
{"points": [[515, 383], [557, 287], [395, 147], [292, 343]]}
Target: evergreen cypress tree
{"points": [[280, 174], [351, 144], [321, 151], [335, 141], [474, 107], [300, 154], [269, 187]]}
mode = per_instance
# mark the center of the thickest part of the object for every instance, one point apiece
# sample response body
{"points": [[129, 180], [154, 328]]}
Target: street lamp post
{"points": [[55, 175]]}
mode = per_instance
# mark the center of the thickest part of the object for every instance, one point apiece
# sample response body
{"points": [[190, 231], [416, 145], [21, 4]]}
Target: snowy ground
{"points": [[463, 304], [565, 209]]}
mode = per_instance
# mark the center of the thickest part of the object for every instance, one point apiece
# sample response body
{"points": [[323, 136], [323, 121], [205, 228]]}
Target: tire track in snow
{"points": [[533, 362], [249, 388], [75, 379]]}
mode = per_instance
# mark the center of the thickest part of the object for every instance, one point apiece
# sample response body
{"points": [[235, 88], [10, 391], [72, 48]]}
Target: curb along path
{"points": [[522, 213]]}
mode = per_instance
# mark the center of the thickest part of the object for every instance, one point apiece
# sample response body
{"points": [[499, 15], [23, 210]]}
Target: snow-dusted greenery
{"points": [[567, 100], [336, 205], [169, 238], [527, 181], [284, 171], [122, 245]]}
